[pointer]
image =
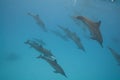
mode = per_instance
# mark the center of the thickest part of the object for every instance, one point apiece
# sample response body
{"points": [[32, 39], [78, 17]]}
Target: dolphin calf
{"points": [[73, 36], [54, 64], [94, 28], [115, 54], [38, 21], [40, 48]]}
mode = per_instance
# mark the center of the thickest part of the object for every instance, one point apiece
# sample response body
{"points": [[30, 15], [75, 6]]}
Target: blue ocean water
{"points": [[18, 61]]}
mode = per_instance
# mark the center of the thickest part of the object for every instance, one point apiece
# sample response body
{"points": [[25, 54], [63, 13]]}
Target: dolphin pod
{"points": [[54, 64], [38, 21], [94, 28], [73, 36], [115, 55], [47, 56]]}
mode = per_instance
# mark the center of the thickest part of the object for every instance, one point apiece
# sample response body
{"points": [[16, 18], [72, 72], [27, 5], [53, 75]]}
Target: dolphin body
{"points": [[73, 36], [40, 48], [38, 21], [54, 64], [115, 54], [94, 28]]}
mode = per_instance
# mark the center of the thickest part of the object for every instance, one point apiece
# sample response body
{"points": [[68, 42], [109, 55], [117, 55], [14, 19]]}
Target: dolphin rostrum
{"points": [[38, 21], [54, 64], [115, 54], [73, 36], [94, 28], [39, 48]]}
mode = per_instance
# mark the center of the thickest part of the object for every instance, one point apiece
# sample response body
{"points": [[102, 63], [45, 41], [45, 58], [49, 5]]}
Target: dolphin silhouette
{"points": [[54, 64], [94, 28], [115, 54], [38, 21], [73, 36], [39, 48]]}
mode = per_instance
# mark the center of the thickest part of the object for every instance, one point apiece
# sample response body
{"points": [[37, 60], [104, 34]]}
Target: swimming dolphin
{"points": [[73, 36], [115, 54], [38, 21], [94, 28], [40, 48], [54, 64]]}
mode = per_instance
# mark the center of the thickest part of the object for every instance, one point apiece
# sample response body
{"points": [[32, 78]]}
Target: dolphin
{"points": [[73, 36], [40, 48], [38, 21], [115, 54], [94, 28], [54, 64]]}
